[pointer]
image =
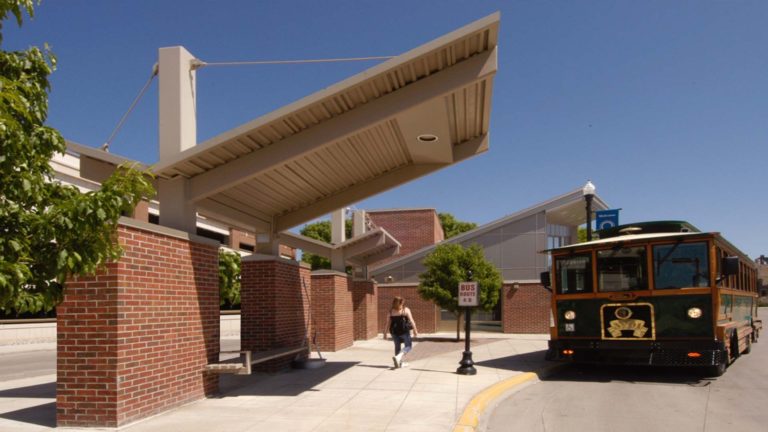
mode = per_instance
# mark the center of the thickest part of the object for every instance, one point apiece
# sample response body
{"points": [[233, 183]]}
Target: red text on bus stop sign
{"points": [[468, 294]]}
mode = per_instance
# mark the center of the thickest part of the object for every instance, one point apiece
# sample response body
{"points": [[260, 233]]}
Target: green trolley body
{"points": [[656, 293]]}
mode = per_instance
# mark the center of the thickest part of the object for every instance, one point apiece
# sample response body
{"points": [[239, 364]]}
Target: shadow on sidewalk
{"points": [[291, 382], [633, 374], [45, 390], [41, 415], [528, 362]]}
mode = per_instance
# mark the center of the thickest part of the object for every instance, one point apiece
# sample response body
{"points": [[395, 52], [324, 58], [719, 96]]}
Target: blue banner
{"points": [[606, 219]]}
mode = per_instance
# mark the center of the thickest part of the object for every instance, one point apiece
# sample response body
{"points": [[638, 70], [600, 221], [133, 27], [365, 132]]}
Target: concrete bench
{"points": [[251, 358]]}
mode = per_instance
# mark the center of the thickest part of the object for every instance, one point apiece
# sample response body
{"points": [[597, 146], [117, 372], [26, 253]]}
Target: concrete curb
{"points": [[470, 419]]}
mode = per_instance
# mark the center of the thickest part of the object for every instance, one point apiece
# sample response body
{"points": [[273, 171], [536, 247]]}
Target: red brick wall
{"points": [[274, 307], [425, 313], [414, 229], [332, 310], [133, 340], [364, 298], [525, 309]]}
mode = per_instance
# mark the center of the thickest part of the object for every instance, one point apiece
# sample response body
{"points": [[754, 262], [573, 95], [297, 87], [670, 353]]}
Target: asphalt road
{"points": [[630, 399], [26, 364], [35, 360]]}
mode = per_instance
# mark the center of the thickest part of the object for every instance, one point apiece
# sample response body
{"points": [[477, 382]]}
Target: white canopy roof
{"points": [[407, 117]]}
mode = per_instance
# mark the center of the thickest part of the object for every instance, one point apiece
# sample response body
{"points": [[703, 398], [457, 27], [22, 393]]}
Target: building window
{"points": [[221, 238]]}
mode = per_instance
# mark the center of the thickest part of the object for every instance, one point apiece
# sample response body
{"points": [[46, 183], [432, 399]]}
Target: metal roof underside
{"points": [[352, 140]]}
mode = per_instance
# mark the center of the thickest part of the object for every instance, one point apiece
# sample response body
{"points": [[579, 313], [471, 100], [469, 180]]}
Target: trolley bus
{"points": [[653, 293]]}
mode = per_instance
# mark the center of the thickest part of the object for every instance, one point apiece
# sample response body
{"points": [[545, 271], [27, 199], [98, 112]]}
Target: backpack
{"points": [[400, 325]]}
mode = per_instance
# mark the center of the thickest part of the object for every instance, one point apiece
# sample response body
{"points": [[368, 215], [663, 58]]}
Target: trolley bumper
{"points": [[657, 353]]}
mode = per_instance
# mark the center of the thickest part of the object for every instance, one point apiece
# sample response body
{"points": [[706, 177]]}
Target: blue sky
{"points": [[662, 104]]}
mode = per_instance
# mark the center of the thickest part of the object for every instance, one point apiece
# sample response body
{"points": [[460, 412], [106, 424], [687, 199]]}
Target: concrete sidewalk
{"points": [[357, 390]]}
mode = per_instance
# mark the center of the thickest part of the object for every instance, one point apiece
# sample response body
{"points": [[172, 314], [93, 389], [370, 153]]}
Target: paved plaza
{"points": [[357, 390]]}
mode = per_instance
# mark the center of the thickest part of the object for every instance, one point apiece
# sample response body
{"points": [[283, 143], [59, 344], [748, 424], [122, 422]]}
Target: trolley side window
{"points": [[680, 265], [574, 274], [621, 269]]}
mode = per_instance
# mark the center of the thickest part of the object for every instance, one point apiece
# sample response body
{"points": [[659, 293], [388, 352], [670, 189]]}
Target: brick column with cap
{"points": [[134, 339], [274, 306], [364, 298], [332, 309]]}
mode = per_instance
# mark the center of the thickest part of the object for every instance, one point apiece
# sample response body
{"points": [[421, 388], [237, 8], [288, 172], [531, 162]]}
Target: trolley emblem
{"points": [[624, 326]]}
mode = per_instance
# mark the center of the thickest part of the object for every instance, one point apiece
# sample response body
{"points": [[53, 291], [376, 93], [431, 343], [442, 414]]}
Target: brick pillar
{"points": [[274, 306], [332, 310], [525, 308], [365, 305], [134, 339]]}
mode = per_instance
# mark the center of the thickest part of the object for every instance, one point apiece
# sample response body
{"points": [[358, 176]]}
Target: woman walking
{"points": [[400, 323]]}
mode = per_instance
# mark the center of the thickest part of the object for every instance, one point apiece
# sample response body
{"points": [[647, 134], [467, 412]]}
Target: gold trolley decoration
{"points": [[634, 317]]}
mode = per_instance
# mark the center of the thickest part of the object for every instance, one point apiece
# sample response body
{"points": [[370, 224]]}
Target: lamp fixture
{"points": [[427, 138]]}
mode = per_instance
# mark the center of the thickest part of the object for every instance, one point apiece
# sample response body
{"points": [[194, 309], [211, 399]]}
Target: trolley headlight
{"points": [[569, 315], [694, 313]]}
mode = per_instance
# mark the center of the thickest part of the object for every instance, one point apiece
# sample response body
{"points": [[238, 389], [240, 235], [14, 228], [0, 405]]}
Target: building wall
{"points": [[762, 275], [134, 339], [513, 248], [413, 228], [425, 313], [525, 308]]}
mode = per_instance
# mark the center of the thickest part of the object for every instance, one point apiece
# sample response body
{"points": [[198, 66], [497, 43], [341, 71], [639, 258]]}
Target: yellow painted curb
{"points": [[470, 418]]}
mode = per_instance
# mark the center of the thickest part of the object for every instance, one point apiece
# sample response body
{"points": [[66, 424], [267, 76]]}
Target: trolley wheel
{"points": [[734, 349], [716, 371], [748, 349], [719, 369]]}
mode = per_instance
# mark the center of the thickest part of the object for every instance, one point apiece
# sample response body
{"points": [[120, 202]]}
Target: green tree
{"points": [[48, 231], [452, 226], [450, 264], [321, 231], [229, 279], [581, 235]]}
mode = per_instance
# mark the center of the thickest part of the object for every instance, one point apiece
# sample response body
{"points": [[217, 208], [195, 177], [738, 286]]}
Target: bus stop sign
{"points": [[468, 295]]}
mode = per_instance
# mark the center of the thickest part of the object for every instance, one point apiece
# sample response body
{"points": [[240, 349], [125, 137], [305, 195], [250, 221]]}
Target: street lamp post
{"points": [[467, 364], [589, 193]]}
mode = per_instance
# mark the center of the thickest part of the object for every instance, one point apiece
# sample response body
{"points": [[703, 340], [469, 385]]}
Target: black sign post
{"points": [[467, 365]]}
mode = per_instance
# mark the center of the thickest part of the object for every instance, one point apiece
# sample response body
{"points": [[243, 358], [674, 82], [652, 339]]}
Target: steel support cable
{"points": [[120, 124], [264, 62], [197, 64]]}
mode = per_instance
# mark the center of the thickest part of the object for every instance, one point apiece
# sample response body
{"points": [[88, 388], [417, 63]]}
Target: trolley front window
{"points": [[574, 274], [680, 265], [621, 269]]}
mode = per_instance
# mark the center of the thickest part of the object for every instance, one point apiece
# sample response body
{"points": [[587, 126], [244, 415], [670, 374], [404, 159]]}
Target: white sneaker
{"points": [[398, 359], [404, 364], [396, 363]]}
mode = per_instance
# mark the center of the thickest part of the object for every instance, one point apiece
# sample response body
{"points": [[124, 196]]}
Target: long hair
{"points": [[397, 303]]}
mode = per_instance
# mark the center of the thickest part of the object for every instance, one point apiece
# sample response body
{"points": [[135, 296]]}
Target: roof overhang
{"points": [[567, 209], [572, 211], [363, 250], [352, 140]]}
